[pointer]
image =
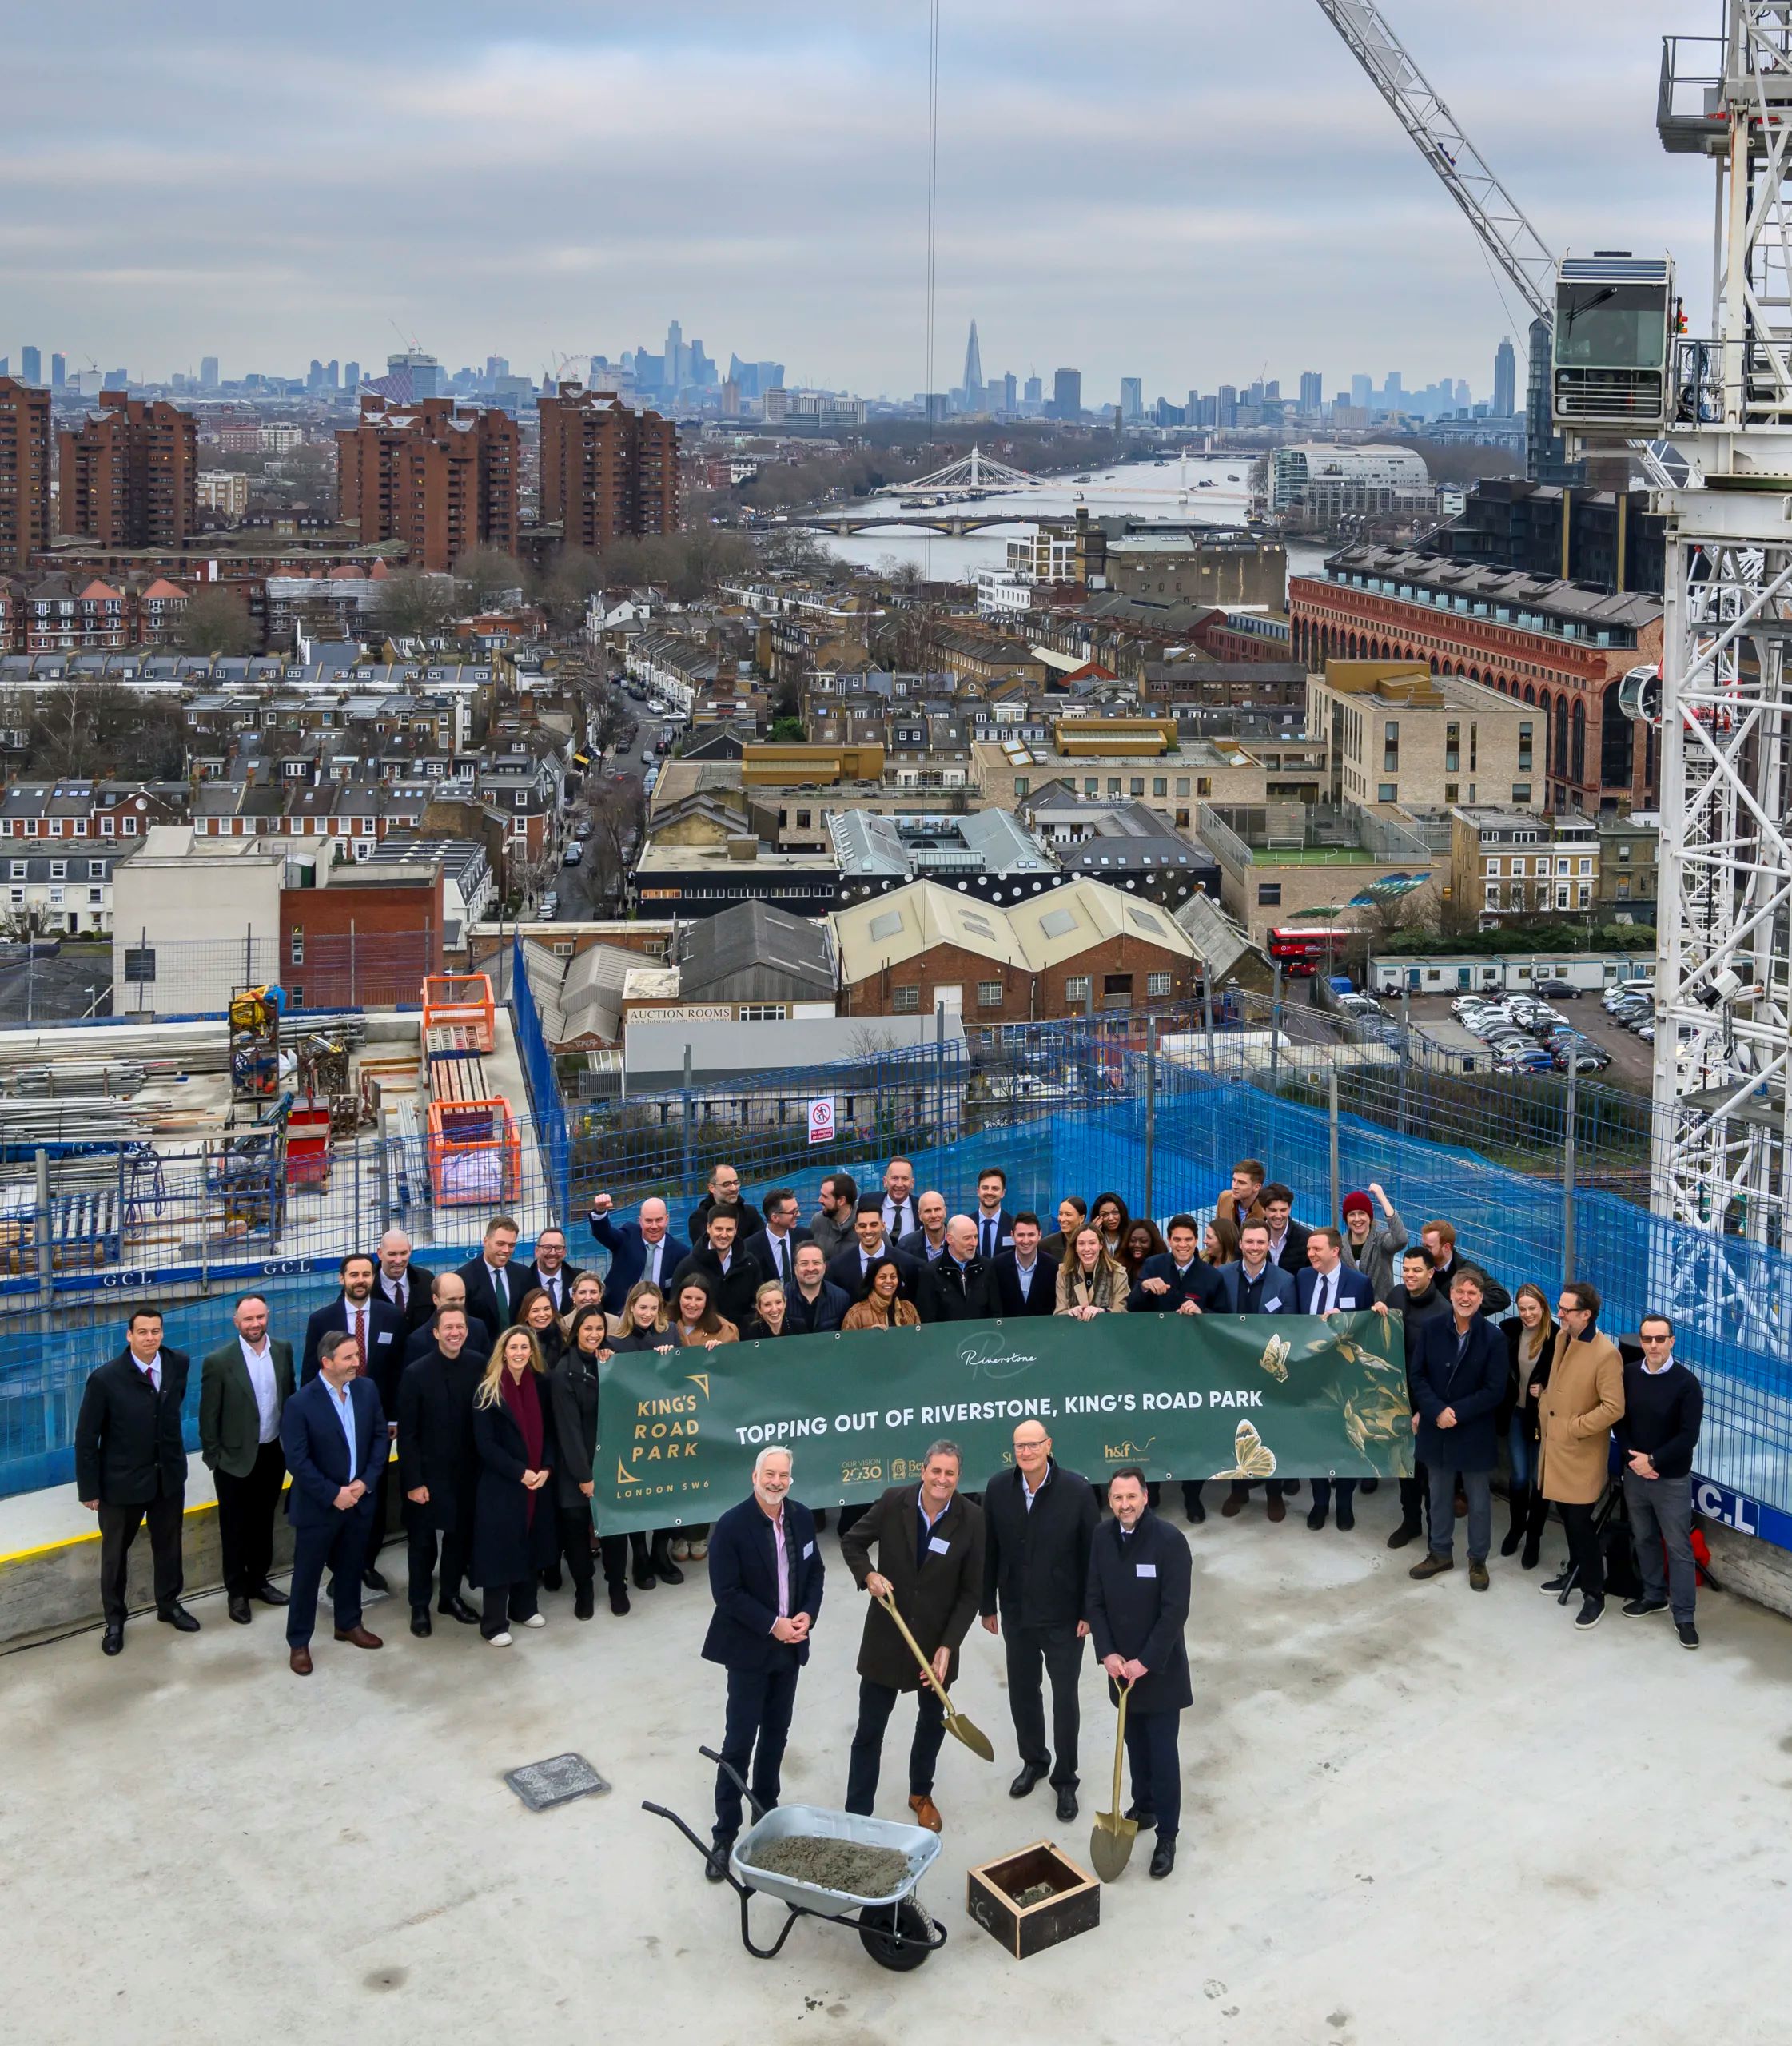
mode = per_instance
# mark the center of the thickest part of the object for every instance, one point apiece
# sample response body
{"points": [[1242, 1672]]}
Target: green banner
{"points": [[1184, 1396]]}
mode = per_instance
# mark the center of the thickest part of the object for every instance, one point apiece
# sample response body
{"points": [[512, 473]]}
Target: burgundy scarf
{"points": [[523, 1400]]}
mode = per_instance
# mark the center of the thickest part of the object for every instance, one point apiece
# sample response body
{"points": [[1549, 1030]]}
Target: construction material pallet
{"points": [[457, 1069]]}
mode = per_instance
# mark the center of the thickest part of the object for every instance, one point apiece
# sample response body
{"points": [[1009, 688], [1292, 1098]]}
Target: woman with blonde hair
{"points": [[515, 1533], [1091, 1280]]}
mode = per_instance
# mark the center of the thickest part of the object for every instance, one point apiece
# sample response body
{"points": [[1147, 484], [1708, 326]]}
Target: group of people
{"points": [[475, 1391]]}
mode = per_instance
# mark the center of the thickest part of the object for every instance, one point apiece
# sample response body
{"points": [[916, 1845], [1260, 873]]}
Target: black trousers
{"points": [[876, 1702], [338, 1545], [505, 1602], [1584, 1551], [758, 1724], [1059, 1649], [573, 1526], [1416, 1497], [1156, 1767], [376, 1527], [422, 1541], [1191, 1497], [1322, 1492], [246, 1507], [118, 1526]]}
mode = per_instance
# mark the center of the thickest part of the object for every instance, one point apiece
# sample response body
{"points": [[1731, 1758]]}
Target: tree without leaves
{"points": [[488, 573], [414, 605], [215, 622], [99, 728]]}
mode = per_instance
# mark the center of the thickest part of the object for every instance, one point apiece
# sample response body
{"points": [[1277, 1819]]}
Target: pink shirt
{"points": [[783, 1567]]}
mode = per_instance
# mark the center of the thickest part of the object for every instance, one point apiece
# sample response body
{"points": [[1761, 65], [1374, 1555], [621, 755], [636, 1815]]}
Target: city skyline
{"points": [[139, 230]]}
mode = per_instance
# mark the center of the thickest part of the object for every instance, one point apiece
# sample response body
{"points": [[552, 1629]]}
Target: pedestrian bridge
{"points": [[953, 521]]}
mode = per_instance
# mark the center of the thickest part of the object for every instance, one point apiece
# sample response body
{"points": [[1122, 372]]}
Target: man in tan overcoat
{"points": [[1576, 1408]]}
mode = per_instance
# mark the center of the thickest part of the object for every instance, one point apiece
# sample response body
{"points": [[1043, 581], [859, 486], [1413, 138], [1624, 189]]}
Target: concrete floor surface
{"points": [[1411, 1814]]}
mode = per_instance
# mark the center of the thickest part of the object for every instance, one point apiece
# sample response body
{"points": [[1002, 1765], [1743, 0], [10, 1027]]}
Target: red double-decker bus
{"points": [[1306, 951]]}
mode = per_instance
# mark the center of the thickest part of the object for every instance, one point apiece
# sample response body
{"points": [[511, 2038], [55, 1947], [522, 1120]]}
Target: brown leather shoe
{"points": [[1278, 1507], [1232, 1505], [926, 1813], [298, 1660], [359, 1638]]}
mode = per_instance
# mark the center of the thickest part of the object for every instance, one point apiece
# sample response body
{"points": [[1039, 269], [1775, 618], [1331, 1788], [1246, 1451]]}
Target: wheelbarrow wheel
{"points": [[896, 1938]]}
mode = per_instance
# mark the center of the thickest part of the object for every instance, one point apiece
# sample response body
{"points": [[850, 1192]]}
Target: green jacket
{"points": [[229, 1420]]}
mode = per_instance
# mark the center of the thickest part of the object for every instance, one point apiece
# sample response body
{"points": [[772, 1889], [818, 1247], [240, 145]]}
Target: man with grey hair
{"points": [[764, 1575], [930, 1544], [959, 1287], [928, 1242]]}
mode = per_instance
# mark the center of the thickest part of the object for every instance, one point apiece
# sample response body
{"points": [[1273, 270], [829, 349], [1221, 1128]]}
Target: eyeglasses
{"points": [[1658, 1339]]}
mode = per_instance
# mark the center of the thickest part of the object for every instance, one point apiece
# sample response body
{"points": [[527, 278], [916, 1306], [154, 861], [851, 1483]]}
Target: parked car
{"points": [[1359, 1004], [1532, 1061], [550, 906], [1551, 986], [1586, 1058], [573, 855], [582, 829]]}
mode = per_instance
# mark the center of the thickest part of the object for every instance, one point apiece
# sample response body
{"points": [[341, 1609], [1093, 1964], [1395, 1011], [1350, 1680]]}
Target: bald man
{"points": [[405, 1284], [447, 1289], [638, 1250], [957, 1285]]}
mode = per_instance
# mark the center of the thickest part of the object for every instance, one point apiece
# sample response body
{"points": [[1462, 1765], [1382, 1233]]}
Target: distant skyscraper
{"points": [[1034, 391], [973, 373], [1257, 392], [496, 366], [59, 370], [1394, 390], [677, 373], [1272, 391], [30, 366], [1362, 392], [1312, 390], [1067, 394], [208, 372], [1505, 379], [1226, 410], [116, 379], [1132, 398], [1010, 392], [351, 373], [1191, 412]]}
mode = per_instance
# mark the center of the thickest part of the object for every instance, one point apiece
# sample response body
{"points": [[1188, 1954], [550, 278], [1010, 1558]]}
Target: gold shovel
{"points": [[1110, 1844], [960, 1728]]}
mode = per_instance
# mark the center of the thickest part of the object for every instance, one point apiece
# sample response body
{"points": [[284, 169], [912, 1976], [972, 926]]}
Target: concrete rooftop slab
{"points": [[1412, 1814]]}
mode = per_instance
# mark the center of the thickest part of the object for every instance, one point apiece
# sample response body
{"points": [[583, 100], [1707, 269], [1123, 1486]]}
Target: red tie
{"points": [[361, 1339]]}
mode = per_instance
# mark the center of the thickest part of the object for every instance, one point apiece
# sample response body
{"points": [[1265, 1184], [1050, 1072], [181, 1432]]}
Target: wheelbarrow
{"points": [[895, 1930]]}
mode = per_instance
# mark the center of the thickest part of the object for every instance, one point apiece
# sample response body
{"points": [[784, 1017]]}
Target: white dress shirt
{"points": [[344, 1402], [261, 1364], [1325, 1292]]}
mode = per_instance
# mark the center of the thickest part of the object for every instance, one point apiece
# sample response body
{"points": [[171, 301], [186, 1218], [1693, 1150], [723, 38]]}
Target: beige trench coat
{"points": [[1584, 1396]]}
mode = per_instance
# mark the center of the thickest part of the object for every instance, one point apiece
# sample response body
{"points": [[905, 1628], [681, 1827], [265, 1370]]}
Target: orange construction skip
{"points": [[475, 1155], [462, 999]]}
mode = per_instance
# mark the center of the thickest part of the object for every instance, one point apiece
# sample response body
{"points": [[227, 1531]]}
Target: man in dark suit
{"points": [[493, 1289], [930, 1544], [1024, 1284], [402, 1283], [774, 1248], [1175, 1281], [380, 1340], [897, 1207], [724, 1192], [1458, 1379], [734, 1274], [813, 1306], [447, 1289], [334, 1432], [130, 1466], [638, 1250], [1329, 1286], [1288, 1238], [1254, 1285], [438, 1471], [548, 1269], [764, 1575], [1038, 1520], [926, 1244], [847, 1270], [995, 1226], [1139, 1573], [958, 1288], [243, 1385]]}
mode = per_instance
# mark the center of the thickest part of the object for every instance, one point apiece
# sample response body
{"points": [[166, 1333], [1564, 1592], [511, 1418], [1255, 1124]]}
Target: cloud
{"points": [[1175, 189]]}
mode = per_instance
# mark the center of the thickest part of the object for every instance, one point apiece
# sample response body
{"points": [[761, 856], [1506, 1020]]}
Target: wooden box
{"points": [[1074, 1906]]}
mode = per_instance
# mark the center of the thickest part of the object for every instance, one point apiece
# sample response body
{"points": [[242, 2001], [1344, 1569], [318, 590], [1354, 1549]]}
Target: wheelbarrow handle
{"points": [[733, 1775], [703, 1847]]}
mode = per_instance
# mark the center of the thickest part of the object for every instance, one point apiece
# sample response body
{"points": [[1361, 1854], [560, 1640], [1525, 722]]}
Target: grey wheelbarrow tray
{"points": [[895, 1928]]}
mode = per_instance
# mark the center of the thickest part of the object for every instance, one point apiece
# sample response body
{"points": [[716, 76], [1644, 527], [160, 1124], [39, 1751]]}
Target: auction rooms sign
{"points": [[1184, 1396]]}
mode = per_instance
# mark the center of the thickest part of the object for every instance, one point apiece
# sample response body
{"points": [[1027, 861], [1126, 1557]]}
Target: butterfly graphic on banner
{"points": [[1254, 1459]]}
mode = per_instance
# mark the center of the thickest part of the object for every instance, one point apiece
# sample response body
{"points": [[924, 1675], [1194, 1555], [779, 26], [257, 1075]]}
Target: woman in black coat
{"points": [[515, 1533], [572, 1394], [1530, 1333], [534, 1311]]}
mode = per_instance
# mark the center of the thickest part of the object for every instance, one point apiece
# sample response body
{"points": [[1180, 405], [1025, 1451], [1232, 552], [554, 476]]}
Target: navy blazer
{"points": [[628, 1258], [1353, 1290], [844, 1271], [1137, 1606], [831, 1309], [387, 1340], [1279, 1295], [317, 1450], [1005, 1233], [482, 1298], [1474, 1388], [744, 1582], [1200, 1284], [1042, 1297]]}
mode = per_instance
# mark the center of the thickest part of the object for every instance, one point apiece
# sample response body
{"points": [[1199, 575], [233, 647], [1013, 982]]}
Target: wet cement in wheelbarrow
{"points": [[840, 1864]]}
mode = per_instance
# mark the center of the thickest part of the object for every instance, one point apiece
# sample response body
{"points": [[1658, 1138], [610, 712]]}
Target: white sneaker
{"points": [[499, 1640], [535, 1620], [681, 1550]]}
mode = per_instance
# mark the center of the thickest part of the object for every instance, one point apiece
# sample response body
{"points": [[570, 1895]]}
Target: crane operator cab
{"points": [[1615, 320]]}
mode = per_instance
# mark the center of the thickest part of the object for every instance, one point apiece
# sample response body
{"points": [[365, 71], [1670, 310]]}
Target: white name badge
{"points": [[384, 1335], [1272, 1306], [939, 1548], [1146, 1570], [808, 1550]]}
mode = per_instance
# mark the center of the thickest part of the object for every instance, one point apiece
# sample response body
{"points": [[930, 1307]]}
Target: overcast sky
{"points": [[1192, 192]]}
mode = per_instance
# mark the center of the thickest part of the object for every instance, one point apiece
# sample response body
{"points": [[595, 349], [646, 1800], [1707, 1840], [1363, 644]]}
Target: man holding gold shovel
{"points": [[924, 1593], [1139, 1572]]}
